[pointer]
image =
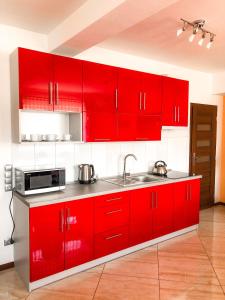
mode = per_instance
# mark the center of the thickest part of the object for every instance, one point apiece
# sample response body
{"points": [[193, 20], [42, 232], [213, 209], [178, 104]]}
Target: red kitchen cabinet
{"points": [[151, 97], [67, 84], [99, 127], [162, 212], [126, 126], [140, 216], [46, 240], [186, 204], [148, 128], [35, 80], [129, 91], [175, 102], [111, 241], [49, 82], [79, 243], [99, 88]]}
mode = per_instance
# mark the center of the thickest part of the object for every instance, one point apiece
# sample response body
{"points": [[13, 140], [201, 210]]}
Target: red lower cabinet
{"points": [[111, 241], [162, 212], [140, 216], [46, 241], [78, 232], [186, 203]]}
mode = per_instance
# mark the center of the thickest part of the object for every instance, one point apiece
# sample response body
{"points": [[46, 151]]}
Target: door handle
{"points": [[113, 211], [175, 113], [56, 93], [190, 192], [50, 88], [113, 236], [102, 140], [156, 200], [187, 191], [152, 200], [113, 199], [140, 101], [116, 98], [62, 220], [68, 218]]}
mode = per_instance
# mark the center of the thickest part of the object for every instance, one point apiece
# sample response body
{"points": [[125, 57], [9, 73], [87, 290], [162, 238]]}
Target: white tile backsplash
{"points": [[107, 158]]}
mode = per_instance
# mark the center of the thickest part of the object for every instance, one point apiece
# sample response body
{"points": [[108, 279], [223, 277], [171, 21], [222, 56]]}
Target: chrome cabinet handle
{"points": [[140, 101], [113, 236], [116, 98], [141, 139], [56, 93], [190, 192], [62, 220], [113, 211], [152, 200], [187, 192], [113, 199], [178, 114], [68, 218], [50, 87], [175, 113], [144, 101]]}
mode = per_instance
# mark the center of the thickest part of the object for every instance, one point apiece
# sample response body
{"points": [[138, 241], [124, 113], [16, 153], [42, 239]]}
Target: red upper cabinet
{"points": [[129, 91], [99, 127], [99, 88], [67, 84], [148, 128], [49, 82], [151, 97], [175, 102], [46, 240], [78, 232], [35, 80]]}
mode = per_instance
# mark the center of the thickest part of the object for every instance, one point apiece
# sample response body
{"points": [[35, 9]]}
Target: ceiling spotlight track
{"points": [[197, 27]]}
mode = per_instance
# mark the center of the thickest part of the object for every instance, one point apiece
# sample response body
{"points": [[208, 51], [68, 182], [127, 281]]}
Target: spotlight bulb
{"points": [[191, 38], [179, 31], [209, 45]]}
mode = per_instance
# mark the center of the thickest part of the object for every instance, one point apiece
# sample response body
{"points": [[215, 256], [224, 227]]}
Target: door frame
{"points": [[191, 148]]}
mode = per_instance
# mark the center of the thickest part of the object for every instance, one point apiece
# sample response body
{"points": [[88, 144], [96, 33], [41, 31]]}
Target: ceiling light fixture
{"points": [[197, 26]]}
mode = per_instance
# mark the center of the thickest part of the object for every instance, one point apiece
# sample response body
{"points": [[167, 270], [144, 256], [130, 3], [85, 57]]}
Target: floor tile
{"points": [[51, 295], [148, 255], [211, 229], [195, 270], [171, 290], [220, 272], [214, 214], [214, 244], [115, 287], [132, 268], [175, 249], [97, 269], [82, 285], [187, 238]]}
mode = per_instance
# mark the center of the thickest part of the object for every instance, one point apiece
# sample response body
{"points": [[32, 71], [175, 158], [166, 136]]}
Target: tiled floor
{"points": [[188, 267]]}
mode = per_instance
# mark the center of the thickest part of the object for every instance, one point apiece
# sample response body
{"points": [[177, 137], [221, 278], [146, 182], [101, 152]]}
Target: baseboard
{"points": [[219, 203], [7, 266]]}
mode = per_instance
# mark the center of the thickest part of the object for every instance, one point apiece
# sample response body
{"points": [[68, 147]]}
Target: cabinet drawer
{"points": [[111, 241], [111, 216], [111, 199]]}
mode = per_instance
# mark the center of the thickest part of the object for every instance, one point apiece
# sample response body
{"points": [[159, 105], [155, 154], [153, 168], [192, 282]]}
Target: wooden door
{"points": [[203, 149]]}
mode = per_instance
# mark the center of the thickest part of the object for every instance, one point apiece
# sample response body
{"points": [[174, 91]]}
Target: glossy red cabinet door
{"points": [[148, 128], [163, 206], [46, 240], [186, 203], [111, 241], [79, 218], [182, 102], [99, 127], [129, 91], [140, 216], [67, 84], [175, 102], [99, 88], [151, 94], [35, 80], [126, 126]]}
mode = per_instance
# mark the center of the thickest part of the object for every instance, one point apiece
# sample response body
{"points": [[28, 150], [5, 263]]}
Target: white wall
{"points": [[107, 157], [219, 83]]}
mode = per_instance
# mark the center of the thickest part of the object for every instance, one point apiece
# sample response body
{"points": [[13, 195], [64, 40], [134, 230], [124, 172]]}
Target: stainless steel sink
{"points": [[132, 180]]}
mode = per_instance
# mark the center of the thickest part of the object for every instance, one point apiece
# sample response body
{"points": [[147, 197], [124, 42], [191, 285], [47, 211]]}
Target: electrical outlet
{"points": [[8, 177], [8, 187], [8, 242]]}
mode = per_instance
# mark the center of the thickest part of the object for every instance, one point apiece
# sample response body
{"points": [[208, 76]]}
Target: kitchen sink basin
{"points": [[133, 180]]}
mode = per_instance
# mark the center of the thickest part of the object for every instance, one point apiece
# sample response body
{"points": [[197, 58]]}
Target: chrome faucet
{"points": [[125, 174]]}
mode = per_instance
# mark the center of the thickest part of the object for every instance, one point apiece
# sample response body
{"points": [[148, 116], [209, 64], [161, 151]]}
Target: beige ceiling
{"points": [[155, 37], [36, 15]]}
